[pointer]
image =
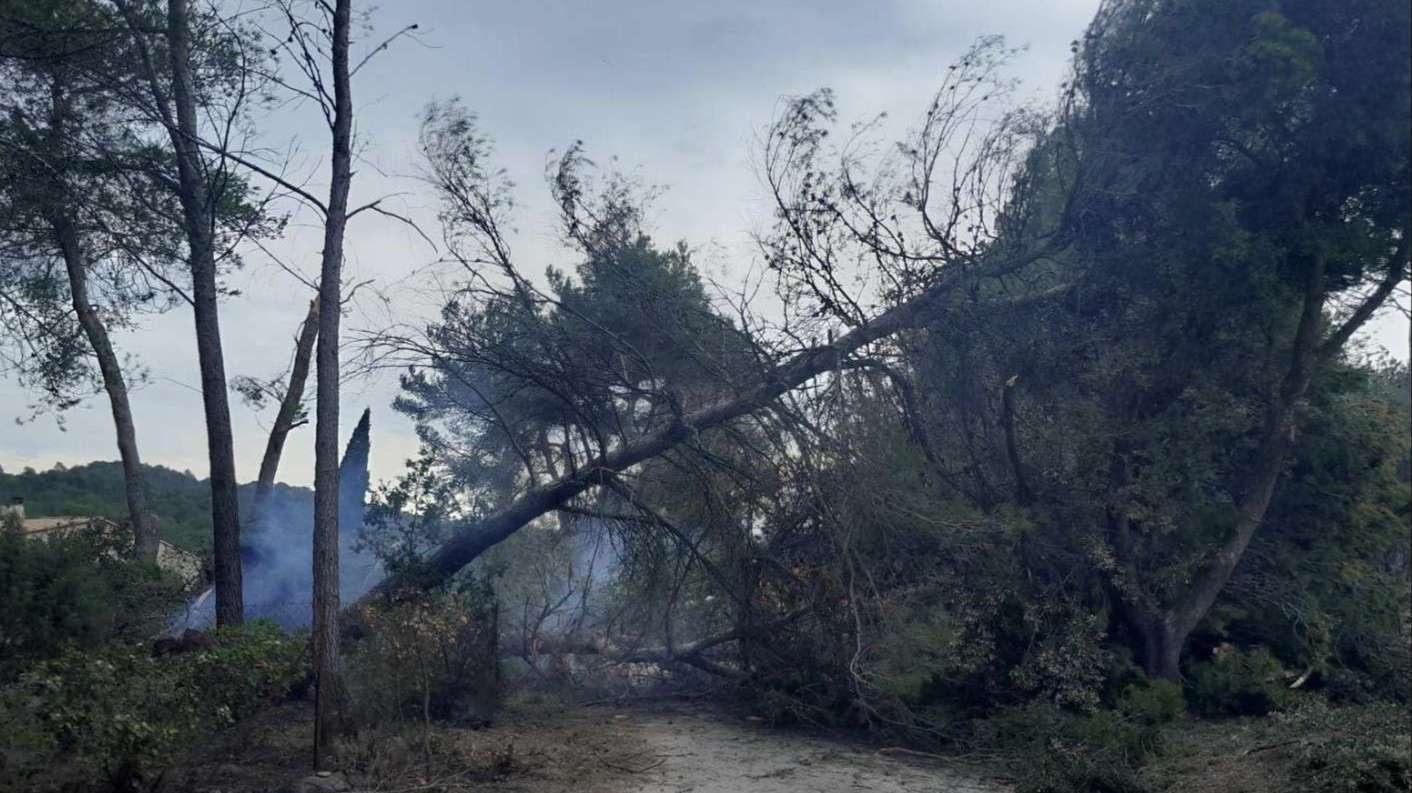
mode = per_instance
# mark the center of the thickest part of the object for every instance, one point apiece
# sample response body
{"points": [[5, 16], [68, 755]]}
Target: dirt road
{"points": [[663, 748], [700, 752]]}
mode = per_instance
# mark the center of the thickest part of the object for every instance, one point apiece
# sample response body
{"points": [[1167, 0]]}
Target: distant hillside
{"points": [[180, 500]]}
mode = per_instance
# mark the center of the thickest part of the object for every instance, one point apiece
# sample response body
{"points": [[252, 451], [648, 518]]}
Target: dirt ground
{"points": [[641, 749], [702, 752]]}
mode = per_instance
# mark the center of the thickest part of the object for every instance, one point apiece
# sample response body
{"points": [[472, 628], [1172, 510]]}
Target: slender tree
{"points": [[289, 393], [172, 95], [81, 186], [328, 704]]}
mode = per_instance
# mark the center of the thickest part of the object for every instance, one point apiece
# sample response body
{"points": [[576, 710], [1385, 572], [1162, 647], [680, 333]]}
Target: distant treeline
{"points": [[180, 501]]}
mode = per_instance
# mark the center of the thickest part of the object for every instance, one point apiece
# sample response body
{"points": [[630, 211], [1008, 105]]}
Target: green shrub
{"points": [[1237, 683], [1074, 770], [118, 715], [434, 657], [251, 665], [1382, 678], [1114, 738], [1065, 658], [1152, 702], [76, 589]]}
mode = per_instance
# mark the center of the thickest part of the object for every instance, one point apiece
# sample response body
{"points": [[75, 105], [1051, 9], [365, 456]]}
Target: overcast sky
{"points": [[675, 90]]}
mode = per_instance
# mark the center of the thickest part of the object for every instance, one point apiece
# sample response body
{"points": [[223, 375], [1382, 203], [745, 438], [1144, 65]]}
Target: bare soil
{"points": [[703, 752], [658, 749]]}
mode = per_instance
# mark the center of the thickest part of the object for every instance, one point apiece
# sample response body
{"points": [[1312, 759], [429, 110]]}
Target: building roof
{"points": [[33, 527], [169, 557]]}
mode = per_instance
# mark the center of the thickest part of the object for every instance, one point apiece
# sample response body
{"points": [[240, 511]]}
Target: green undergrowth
{"points": [[116, 716]]}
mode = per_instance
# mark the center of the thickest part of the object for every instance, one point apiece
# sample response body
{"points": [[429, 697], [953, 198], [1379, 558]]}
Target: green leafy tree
{"points": [[1238, 211], [1281, 131], [87, 237]]}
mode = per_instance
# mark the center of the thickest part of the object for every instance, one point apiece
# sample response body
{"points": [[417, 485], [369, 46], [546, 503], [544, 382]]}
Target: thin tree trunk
{"points": [[144, 529], [197, 210], [288, 412], [62, 222], [1023, 494], [1162, 651], [329, 693]]}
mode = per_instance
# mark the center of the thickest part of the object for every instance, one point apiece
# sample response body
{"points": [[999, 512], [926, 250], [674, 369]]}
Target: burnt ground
{"points": [[662, 748]]}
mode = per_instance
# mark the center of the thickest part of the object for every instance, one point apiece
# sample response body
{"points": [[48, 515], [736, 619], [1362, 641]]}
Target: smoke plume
{"points": [[277, 556]]}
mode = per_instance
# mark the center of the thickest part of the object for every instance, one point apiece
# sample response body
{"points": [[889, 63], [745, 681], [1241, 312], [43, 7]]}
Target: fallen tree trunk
{"points": [[691, 654], [480, 536], [461, 549]]}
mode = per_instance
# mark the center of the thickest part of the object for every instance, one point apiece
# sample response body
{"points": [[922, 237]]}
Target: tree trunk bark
{"points": [[1023, 494], [329, 693], [197, 220], [144, 528], [1158, 648], [288, 412], [1163, 652]]}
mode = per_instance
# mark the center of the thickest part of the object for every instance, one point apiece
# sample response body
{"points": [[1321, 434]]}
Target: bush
{"points": [[1380, 673], [77, 589], [119, 715], [435, 657], [1152, 703], [251, 665], [1237, 683]]}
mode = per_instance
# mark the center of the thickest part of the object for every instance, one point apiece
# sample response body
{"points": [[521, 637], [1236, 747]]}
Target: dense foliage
{"points": [[431, 657], [118, 715], [78, 592]]}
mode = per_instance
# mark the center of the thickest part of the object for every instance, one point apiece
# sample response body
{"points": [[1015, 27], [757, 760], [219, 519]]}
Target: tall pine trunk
{"points": [[62, 221], [329, 693], [197, 207], [144, 528]]}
